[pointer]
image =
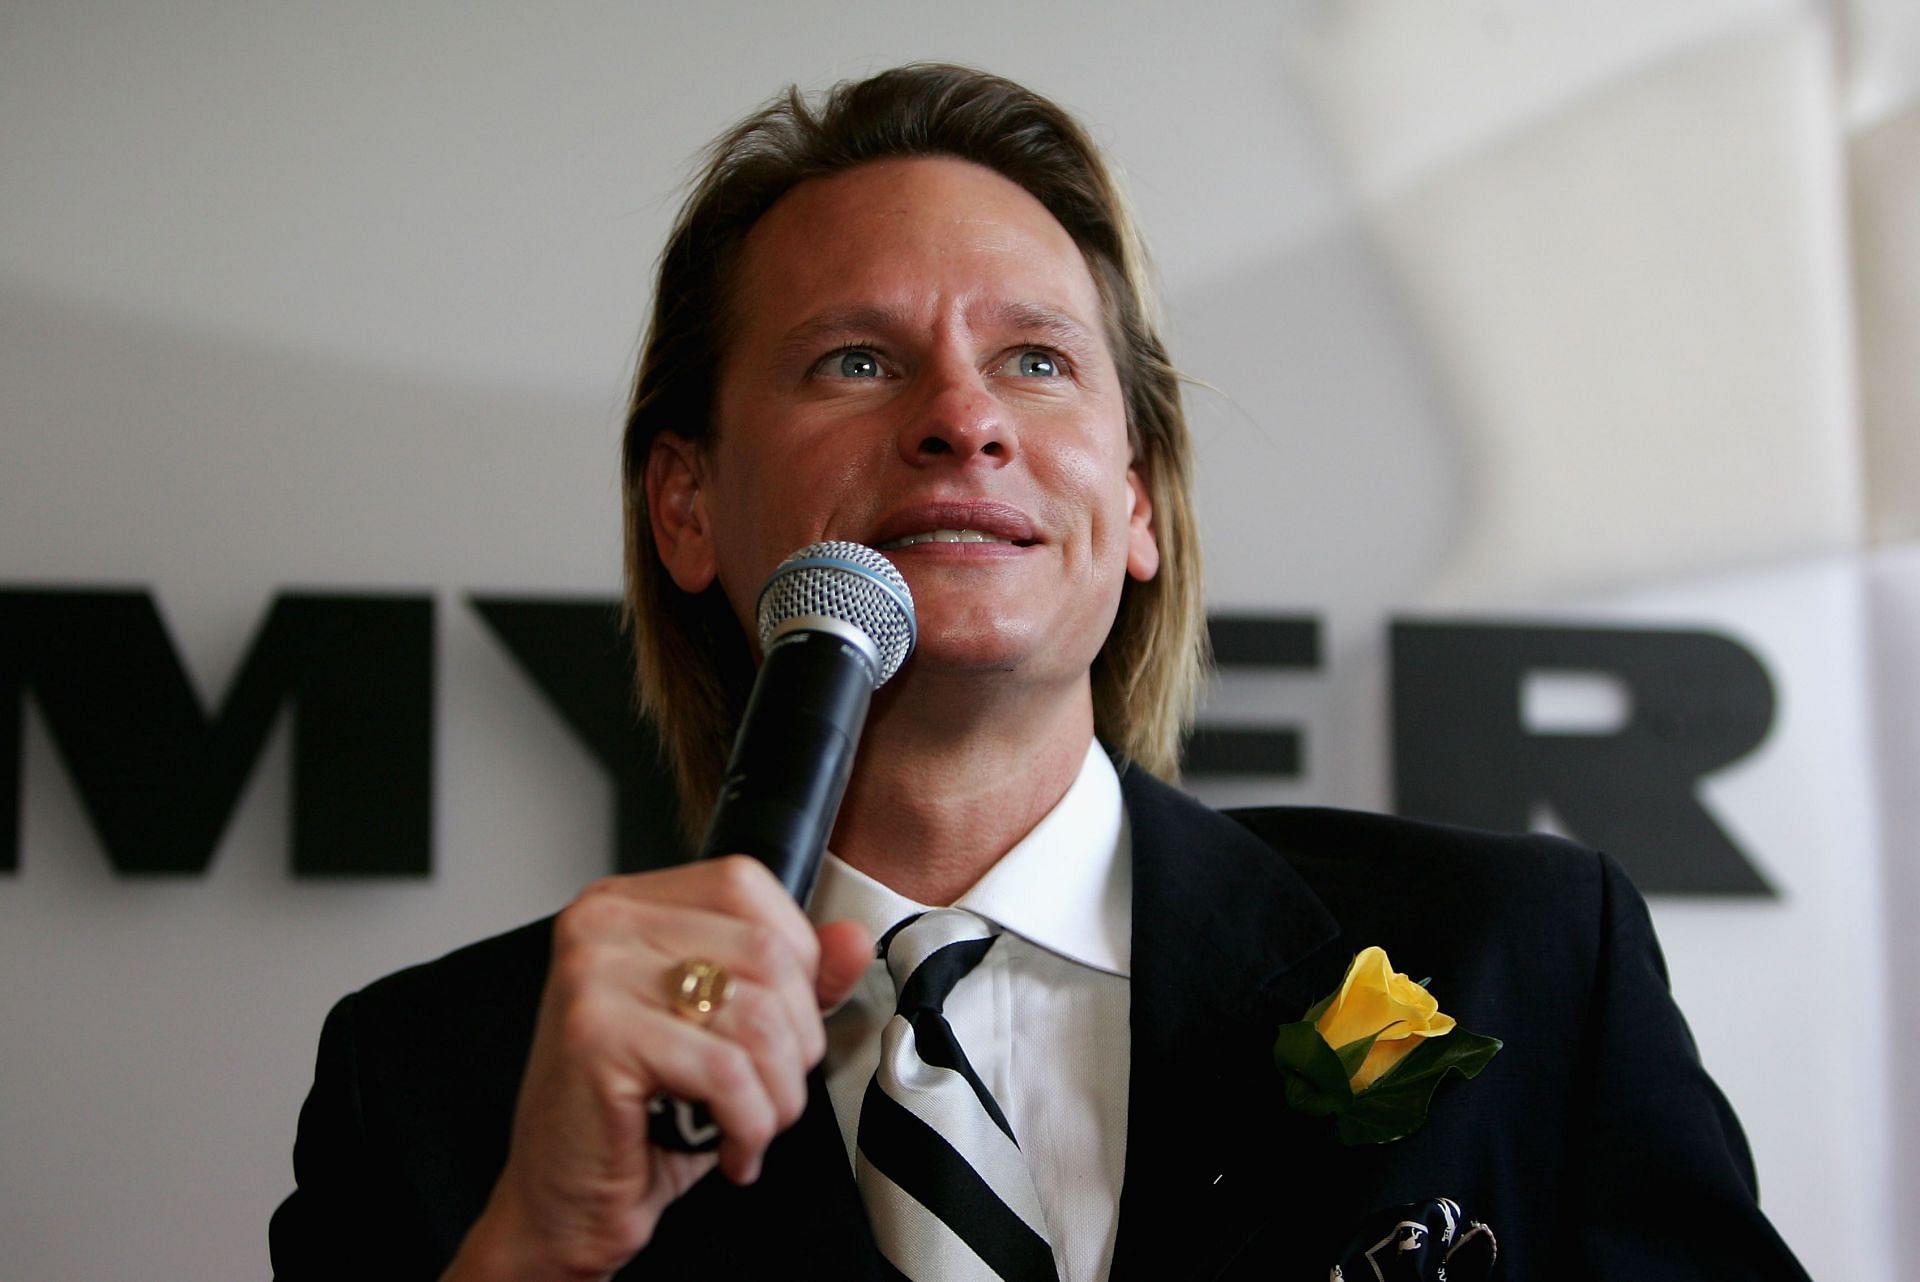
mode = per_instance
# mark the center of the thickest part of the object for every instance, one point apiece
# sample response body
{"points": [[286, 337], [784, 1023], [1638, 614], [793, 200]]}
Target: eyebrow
{"points": [[837, 323], [1050, 322], [873, 321]]}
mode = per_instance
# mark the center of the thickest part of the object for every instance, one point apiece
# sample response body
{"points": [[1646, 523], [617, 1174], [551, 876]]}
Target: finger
{"points": [[846, 950], [609, 931], [675, 1173], [734, 886], [692, 1064], [772, 1009], [760, 1022]]}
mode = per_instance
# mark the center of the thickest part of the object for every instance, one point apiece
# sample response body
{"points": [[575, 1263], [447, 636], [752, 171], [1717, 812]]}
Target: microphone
{"points": [[836, 622]]}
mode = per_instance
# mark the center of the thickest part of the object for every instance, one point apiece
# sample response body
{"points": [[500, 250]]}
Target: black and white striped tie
{"points": [[945, 1183]]}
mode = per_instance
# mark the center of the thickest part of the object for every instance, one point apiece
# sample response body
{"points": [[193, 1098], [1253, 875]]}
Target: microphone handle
{"points": [[792, 757], [782, 792]]}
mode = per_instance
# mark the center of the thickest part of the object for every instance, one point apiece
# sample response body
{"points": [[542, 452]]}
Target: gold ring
{"points": [[698, 989]]}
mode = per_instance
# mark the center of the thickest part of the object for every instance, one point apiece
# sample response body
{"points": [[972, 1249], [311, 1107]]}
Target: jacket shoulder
{"points": [[450, 1034], [1338, 851], [488, 973], [1449, 897]]}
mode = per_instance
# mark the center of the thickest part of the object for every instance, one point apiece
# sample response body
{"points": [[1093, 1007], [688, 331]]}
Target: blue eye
{"points": [[855, 362], [1036, 364]]}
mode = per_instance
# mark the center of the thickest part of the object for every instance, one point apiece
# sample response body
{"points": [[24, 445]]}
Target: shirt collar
{"points": [[1066, 886]]}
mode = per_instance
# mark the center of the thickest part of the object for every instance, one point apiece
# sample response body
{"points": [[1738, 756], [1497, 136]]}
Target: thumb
{"points": [[845, 950]]}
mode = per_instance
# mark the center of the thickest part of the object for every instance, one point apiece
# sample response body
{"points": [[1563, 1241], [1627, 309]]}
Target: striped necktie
{"points": [[945, 1183]]}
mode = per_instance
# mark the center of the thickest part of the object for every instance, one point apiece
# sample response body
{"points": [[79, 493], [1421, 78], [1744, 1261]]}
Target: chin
{"points": [[987, 646], [1022, 653]]}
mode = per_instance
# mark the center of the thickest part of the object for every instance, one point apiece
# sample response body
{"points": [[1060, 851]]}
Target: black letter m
{"points": [[159, 778]]}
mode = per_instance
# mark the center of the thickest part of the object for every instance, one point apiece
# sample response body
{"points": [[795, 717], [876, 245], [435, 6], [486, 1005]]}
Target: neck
{"points": [[946, 785]]}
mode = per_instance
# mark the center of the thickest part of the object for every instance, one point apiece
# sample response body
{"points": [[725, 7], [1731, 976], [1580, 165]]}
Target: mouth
{"points": [[950, 536], [961, 522]]}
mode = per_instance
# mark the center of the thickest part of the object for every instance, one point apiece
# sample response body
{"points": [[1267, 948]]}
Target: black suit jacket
{"points": [[1594, 1144]]}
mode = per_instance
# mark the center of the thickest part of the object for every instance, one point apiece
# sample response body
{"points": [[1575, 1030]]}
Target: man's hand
{"points": [[582, 1189]]}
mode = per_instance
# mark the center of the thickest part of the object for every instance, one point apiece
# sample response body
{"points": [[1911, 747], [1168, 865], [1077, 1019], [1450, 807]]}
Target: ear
{"points": [[677, 508], [1143, 549]]}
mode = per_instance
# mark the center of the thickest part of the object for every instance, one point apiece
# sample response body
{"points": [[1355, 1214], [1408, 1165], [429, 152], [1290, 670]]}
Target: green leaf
{"points": [[1315, 1079], [1457, 1052], [1396, 1105], [1354, 1054]]}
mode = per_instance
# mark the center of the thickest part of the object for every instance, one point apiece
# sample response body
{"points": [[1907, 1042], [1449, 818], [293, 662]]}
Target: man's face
{"points": [[918, 350]]}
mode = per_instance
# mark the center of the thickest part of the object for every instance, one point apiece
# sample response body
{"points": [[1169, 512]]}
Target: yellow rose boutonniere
{"points": [[1370, 1053], [1376, 1002]]}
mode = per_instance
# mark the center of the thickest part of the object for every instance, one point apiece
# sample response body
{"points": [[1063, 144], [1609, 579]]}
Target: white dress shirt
{"points": [[1043, 1017]]}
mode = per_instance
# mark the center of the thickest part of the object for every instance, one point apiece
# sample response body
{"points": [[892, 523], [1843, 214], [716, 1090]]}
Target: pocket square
{"points": [[1430, 1241]]}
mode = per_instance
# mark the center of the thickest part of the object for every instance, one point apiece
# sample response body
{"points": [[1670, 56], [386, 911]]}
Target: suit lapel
{"points": [[1229, 943]]}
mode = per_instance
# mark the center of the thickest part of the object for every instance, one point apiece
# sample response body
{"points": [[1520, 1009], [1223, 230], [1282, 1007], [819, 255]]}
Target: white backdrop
{"points": [[1603, 312]]}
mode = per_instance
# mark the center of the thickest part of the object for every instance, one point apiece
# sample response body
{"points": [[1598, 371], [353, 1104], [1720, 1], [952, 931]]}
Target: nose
{"points": [[958, 420]]}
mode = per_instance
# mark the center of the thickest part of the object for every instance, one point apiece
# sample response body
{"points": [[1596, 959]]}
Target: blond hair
{"points": [[695, 668]]}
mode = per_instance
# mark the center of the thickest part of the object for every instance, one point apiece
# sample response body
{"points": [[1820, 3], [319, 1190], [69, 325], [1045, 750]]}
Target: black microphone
{"points": [[836, 622]]}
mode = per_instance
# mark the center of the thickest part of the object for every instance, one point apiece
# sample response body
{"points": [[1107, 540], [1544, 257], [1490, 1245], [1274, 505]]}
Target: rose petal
{"points": [[1377, 1001]]}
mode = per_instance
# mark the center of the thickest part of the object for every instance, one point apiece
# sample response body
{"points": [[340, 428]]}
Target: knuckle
{"points": [[793, 1099], [603, 894], [728, 1067], [813, 1042], [754, 1123], [755, 1017], [809, 953], [585, 919], [739, 881], [755, 1132], [598, 888], [762, 951]]}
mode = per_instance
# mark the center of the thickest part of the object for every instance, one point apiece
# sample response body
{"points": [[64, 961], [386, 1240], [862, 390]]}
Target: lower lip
{"points": [[957, 551]]}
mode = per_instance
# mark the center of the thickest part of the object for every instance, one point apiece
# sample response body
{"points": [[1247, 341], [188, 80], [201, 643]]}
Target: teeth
{"points": [[944, 536]]}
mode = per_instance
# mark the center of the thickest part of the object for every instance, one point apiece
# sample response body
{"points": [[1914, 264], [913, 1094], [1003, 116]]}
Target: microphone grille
{"points": [[849, 582]]}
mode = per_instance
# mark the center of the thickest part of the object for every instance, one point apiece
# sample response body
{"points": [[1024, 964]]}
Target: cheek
{"points": [[1102, 476], [736, 505], [777, 493]]}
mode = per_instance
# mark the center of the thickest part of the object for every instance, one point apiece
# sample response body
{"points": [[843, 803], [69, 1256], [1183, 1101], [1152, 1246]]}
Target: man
{"points": [[912, 317]]}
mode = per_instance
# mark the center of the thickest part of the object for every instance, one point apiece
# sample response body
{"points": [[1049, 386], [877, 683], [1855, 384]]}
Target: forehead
{"points": [[911, 236]]}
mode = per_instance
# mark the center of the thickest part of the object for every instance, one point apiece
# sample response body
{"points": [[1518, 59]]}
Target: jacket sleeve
{"points": [[1666, 1181], [340, 1221]]}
